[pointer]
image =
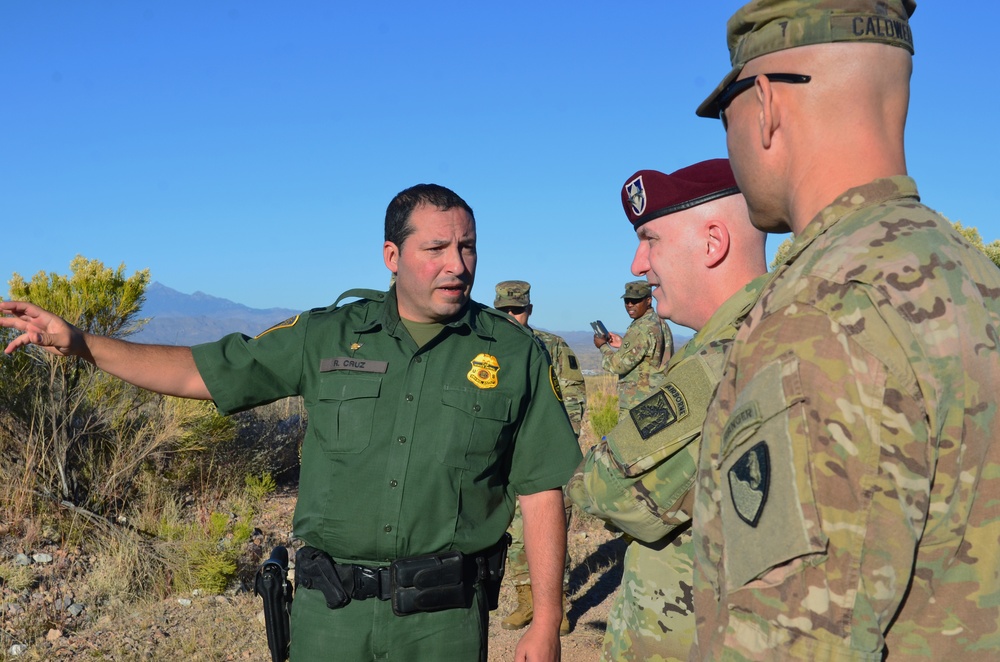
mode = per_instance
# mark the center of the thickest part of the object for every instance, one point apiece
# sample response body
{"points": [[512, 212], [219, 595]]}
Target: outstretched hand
{"points": [[38, 327]]}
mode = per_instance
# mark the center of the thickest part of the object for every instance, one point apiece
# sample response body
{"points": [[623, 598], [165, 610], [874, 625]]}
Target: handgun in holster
{"points": [[272, 585]]}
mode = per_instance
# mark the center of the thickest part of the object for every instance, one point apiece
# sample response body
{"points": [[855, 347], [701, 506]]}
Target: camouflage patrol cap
{"points": [[512, 293], [766, 26], [637, 289], [649, 194]]}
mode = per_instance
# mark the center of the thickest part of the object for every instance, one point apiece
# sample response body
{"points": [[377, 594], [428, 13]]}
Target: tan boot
{"points": [[564, 627], [520, 617]]}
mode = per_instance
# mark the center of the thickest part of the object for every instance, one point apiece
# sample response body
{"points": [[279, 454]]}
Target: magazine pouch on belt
{"points": [[429, 583]]}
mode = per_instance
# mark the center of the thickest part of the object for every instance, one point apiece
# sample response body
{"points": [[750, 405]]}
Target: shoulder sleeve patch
{"points": [[554, 381], [287, 324]]}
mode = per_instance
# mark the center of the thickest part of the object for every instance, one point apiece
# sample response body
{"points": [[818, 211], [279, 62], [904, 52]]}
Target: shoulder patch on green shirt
{"points": [[288, 323]]}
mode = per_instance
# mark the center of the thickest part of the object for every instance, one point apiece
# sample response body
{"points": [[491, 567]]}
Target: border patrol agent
{"points": [[642, 353], [640, 476], [514, 298], [846, 500], [428, 415]]}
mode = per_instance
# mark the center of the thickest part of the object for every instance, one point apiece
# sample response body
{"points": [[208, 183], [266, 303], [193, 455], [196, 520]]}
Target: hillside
{"points": [[189, 319]]}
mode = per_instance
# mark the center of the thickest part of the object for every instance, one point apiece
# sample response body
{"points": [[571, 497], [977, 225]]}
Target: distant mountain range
{"points": [[189, 319]]}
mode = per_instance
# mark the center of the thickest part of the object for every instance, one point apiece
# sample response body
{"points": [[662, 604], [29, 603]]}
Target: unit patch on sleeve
{"points": [[554, 381], [749, 480], [288, 323], [484, 371], [659, 411]]}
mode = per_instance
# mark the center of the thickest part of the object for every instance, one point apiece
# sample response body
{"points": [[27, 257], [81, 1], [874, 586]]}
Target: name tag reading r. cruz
{"points": [[348, 363]]}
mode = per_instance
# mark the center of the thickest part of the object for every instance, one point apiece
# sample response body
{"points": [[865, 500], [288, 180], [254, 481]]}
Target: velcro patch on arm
{"points": [[666, 421]]}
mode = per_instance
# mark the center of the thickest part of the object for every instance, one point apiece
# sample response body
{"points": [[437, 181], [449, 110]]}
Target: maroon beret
{"points": [[649, 194]]}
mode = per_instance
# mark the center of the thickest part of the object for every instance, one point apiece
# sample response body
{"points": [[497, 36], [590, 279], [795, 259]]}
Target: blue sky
{"points": [[248, 149]]}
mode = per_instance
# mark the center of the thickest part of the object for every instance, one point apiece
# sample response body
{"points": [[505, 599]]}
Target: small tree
{"points": [[50, 397]]}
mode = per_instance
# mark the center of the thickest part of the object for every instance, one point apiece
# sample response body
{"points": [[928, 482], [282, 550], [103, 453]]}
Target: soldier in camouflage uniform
{"points": [[639, 477], [642, 353], [514, 298], [846, 499]]}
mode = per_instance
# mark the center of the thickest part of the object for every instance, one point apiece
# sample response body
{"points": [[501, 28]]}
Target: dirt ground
{"points": [[230, 626]]}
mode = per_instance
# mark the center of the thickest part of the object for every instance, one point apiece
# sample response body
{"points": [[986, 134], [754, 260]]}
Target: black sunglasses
{"points": [[513, 310], [737, 87]]}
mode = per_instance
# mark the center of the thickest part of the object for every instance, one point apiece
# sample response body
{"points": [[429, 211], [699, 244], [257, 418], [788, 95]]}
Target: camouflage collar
{"points": [[867, 195]]}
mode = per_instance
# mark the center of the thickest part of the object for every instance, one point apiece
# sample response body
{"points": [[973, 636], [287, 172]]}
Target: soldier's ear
{"points": [[717, 242], [768, 116], [390, 253]]}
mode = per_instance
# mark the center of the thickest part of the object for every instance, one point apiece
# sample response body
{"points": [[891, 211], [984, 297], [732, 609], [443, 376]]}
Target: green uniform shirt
{"points": [[408, 451], [846, 504]]}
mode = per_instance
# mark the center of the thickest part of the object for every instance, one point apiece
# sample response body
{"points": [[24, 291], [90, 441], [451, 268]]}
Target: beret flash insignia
{"points": [[636, 195]]}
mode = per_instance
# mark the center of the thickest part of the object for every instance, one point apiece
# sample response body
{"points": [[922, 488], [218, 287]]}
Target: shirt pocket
{"points": [[345, 415], [768, 506], [472, 426]]}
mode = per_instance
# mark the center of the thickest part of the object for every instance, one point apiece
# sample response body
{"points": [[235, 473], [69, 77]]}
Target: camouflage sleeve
{"points": [[635, 345], [639, 477], [813, 490], [646, 507], [571, 383]]}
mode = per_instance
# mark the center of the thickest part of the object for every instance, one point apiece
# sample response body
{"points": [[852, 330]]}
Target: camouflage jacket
{"points": [[574, 390], [639, 362], [846, 497], [637, 477]]}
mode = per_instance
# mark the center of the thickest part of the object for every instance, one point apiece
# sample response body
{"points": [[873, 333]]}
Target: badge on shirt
{"points": [[484, 371], [749, 480]]}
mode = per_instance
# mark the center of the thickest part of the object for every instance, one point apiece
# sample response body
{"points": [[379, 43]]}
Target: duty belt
{"points": [[431, 582]]}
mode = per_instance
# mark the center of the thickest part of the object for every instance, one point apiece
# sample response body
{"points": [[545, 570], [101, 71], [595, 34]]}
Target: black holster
{"points": [[272, 585]]}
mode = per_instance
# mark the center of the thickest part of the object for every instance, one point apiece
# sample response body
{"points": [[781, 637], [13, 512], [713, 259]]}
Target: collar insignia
{"points": [[355, 346]]}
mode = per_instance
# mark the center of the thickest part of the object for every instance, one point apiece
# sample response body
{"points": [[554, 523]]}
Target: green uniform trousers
{"points": [[368, 630]]}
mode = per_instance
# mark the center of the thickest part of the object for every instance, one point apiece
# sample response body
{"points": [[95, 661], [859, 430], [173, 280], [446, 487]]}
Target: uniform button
{"points": [[418, 359], [393, 483], [409, 397], [402, 440], [387, 528], [475, 407]]}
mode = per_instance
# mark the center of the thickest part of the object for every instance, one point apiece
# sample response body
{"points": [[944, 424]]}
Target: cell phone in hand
{"points": [[600, 329]]}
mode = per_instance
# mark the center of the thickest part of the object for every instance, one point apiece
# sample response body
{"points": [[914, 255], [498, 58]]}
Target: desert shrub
{"points": [[16, 577], [259, 487], [603, 414]]}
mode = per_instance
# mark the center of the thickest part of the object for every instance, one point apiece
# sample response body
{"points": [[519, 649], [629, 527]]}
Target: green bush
{"points": [[603, 413]]}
